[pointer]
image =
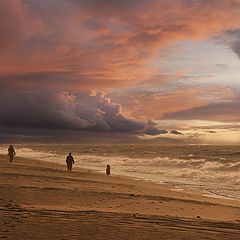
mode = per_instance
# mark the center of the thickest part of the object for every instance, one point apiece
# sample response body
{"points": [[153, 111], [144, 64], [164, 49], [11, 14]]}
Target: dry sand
{"points": [[40, 200]]}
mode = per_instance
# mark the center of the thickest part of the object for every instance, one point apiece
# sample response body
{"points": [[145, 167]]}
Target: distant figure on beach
{"points": [[11, 153], [70, 162], [108, 170]]}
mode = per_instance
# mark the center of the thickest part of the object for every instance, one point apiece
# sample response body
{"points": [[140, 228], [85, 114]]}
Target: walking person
{"points": [[11, 153], [108, 172], [70, 162]]}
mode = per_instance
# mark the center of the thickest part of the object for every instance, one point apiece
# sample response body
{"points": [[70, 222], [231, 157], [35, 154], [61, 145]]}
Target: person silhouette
{"points": [[108, 170], [70, 162], [11, 153]]}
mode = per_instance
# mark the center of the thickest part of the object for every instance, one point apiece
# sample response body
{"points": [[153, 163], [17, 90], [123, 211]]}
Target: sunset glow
{"points": [[152, 69]]}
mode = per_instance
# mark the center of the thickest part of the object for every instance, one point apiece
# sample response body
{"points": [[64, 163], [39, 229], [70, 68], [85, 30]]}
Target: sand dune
{"points": [[40, 200]]}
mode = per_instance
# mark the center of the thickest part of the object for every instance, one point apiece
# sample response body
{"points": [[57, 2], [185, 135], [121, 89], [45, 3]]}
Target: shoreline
{"points": [[172, 185], [196, 192], [182, 173], [35, 193]]}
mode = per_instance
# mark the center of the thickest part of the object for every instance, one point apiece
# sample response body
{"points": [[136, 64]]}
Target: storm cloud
{"points": [[53, 52], [92, 111]]}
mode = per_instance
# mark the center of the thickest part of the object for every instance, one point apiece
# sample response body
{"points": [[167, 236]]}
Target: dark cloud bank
{"points": [[66, 111], [232, 38]]}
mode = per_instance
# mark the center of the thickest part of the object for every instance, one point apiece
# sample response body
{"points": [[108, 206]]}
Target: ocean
{"points": [[214, 170]]}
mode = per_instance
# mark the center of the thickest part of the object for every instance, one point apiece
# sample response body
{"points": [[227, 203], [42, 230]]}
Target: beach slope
{"points": [[40, 200]]}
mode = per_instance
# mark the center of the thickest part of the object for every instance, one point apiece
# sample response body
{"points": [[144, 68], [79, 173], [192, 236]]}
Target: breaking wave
{"points": [[212, 170]]}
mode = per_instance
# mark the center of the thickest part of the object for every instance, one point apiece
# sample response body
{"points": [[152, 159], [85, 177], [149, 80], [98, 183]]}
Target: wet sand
{"points": [[40, 200]]}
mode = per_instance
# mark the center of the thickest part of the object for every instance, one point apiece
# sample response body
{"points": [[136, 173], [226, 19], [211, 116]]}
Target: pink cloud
{"points": [[106, 43], [145, 104], [76, 45]]}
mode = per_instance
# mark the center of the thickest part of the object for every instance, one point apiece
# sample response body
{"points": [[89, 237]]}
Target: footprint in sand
{"points": [[19, 210], [28, 213], [19, 221]]}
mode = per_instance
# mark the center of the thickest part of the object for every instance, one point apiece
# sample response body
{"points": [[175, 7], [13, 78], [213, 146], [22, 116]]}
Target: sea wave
{"points": [[211, 171]]}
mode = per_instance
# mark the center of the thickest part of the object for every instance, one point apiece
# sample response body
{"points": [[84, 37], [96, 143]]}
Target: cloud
{"points": [[236, 48], [10, 17], [53, 52], [105, 43], [64, 110], [232, 37], [211, 131], [220, 111], [171, 99], [57, 80], [152, 128], [176, 132]]}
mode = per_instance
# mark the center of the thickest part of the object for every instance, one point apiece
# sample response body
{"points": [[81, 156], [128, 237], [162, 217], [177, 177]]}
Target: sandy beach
{"points": [[40, 200]]}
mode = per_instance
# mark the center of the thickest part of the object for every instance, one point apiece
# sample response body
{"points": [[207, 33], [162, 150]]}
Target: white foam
{"points": [[217, 175]]}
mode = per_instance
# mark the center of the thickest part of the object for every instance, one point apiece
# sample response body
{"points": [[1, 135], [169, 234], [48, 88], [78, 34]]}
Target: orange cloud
{"points": [[100, 44], [179, 103]]}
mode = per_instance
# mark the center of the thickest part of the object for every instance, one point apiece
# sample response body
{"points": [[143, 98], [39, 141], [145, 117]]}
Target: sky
{"points": [[152, 70]]}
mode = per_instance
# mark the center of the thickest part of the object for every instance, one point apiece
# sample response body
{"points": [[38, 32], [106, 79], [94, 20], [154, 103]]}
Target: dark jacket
{"points": [[11, 151], [69, 160]]}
